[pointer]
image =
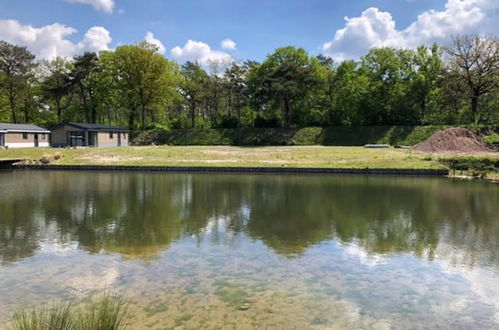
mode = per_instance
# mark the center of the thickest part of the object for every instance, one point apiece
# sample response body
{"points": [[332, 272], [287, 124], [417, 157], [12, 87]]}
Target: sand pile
{"points": [[453, 140]]}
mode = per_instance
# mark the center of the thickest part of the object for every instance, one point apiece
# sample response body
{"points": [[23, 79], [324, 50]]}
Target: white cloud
{"points": [[51, 40], [228, 44], [96, 39], [100, 5], [152, 40], [375, 28], [197, 51]]}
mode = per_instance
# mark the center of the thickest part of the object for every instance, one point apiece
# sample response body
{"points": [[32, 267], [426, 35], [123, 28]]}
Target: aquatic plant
{"points": [[49, 317], [110, 313], [107, 313]]}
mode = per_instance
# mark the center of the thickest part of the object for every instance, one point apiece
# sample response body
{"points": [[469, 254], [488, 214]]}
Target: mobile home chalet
{"points": [[23, 136], [88, 135]]}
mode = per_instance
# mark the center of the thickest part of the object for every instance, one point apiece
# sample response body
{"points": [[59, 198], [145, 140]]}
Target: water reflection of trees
{"points": [[139, 215]]}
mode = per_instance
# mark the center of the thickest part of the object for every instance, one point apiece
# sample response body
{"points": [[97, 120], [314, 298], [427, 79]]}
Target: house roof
{"points": [[22, 128], [97, 127]]}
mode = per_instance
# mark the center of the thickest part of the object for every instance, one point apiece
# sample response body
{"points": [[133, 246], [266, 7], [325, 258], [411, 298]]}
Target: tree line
{"points": [[136, 87]]}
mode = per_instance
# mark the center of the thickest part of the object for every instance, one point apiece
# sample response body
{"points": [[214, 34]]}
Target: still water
{"points": [[255, 251]]}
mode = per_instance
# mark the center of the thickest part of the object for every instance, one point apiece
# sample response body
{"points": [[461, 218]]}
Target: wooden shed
{"points": [[23, 136], [88, 135]]}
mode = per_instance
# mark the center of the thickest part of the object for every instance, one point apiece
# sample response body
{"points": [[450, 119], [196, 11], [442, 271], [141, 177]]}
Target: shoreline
{"points": [[214, 169]]}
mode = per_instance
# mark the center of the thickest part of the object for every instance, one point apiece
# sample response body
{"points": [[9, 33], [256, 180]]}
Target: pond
{"points": [[255, 251]]}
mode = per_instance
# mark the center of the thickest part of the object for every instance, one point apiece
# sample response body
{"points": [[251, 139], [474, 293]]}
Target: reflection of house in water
{"points": [[88, 135], [23, 136]]}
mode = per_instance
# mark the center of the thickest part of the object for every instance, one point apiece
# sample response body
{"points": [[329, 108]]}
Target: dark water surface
{"points": [[255, 251]]}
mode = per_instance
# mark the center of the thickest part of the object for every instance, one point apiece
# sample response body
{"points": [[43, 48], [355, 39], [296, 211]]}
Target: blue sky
{"points": [[64, 27]]}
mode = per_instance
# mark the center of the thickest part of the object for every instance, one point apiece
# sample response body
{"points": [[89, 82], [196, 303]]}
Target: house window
{"points": [[124, 136], [111, 135], [43, 136], [25, 136]]}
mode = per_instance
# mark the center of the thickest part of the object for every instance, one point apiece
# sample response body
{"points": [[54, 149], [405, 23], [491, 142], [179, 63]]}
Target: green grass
{"points": [[492, 139], [108, 313], [219, 156]]}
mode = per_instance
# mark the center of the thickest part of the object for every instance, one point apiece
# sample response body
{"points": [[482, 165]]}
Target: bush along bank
{"points": [[477, 167], [327, 136]]}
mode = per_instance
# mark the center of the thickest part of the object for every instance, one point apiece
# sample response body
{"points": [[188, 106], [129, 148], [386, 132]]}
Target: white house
{"points": [[23, 136]]}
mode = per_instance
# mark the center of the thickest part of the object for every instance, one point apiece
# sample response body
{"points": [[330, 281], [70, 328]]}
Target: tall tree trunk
{"points": [[85, 105], [12, 104], [143, 116], [94, 113], [59, 110], [423, 110], [131, 119], [26, 111], [193, 115], [474, 105], [287, 112]]}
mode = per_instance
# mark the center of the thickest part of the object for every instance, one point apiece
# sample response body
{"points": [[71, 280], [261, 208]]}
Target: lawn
{"points": [[297, 156]]}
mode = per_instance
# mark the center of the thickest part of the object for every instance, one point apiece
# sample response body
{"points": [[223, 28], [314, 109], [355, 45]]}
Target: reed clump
{"points": [[107, 313]]}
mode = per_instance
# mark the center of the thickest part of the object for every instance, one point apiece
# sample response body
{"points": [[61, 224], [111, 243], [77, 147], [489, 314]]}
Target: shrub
{"points": [[229, 122], [46, 159], [329, 136], [476, 166], [262, 122]]}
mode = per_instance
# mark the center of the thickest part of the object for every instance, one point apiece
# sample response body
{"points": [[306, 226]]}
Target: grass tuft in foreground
{"points": [[108, 313], [54, 317]]}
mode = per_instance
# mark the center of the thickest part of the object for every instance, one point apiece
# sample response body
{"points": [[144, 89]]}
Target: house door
{"points": [[2, 140], [76, 139], [119, 139], [36, 141], [92, 139]]}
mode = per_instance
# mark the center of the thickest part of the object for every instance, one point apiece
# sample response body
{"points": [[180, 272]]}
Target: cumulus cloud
{"points": [[51, 40], [197, 51], [375, 28], [152, 40], [96, 39], [228, 44], [100, 5]]}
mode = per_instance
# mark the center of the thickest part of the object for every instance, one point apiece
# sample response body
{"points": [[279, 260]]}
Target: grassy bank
{"points": [[330, 136], [290, 157]]}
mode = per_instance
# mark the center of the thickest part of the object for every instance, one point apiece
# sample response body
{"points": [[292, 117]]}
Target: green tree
{"points": [[146, 81], [17, 71], [390, 71], [427, 79], [474, 60], [55, 85], [236, 89], [350, 95], [285, 78], [81, 81], [192, 88]]}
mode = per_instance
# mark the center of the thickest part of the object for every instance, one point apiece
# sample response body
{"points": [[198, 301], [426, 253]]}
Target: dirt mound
{"points": [[453, 140]]}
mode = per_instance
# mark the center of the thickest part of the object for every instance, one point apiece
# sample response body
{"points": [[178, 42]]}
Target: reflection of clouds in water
{"points": [[91, 280], [57, 249], [484, 284], [80, 279], [213, 225], [364, 257], [482, 280]]}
